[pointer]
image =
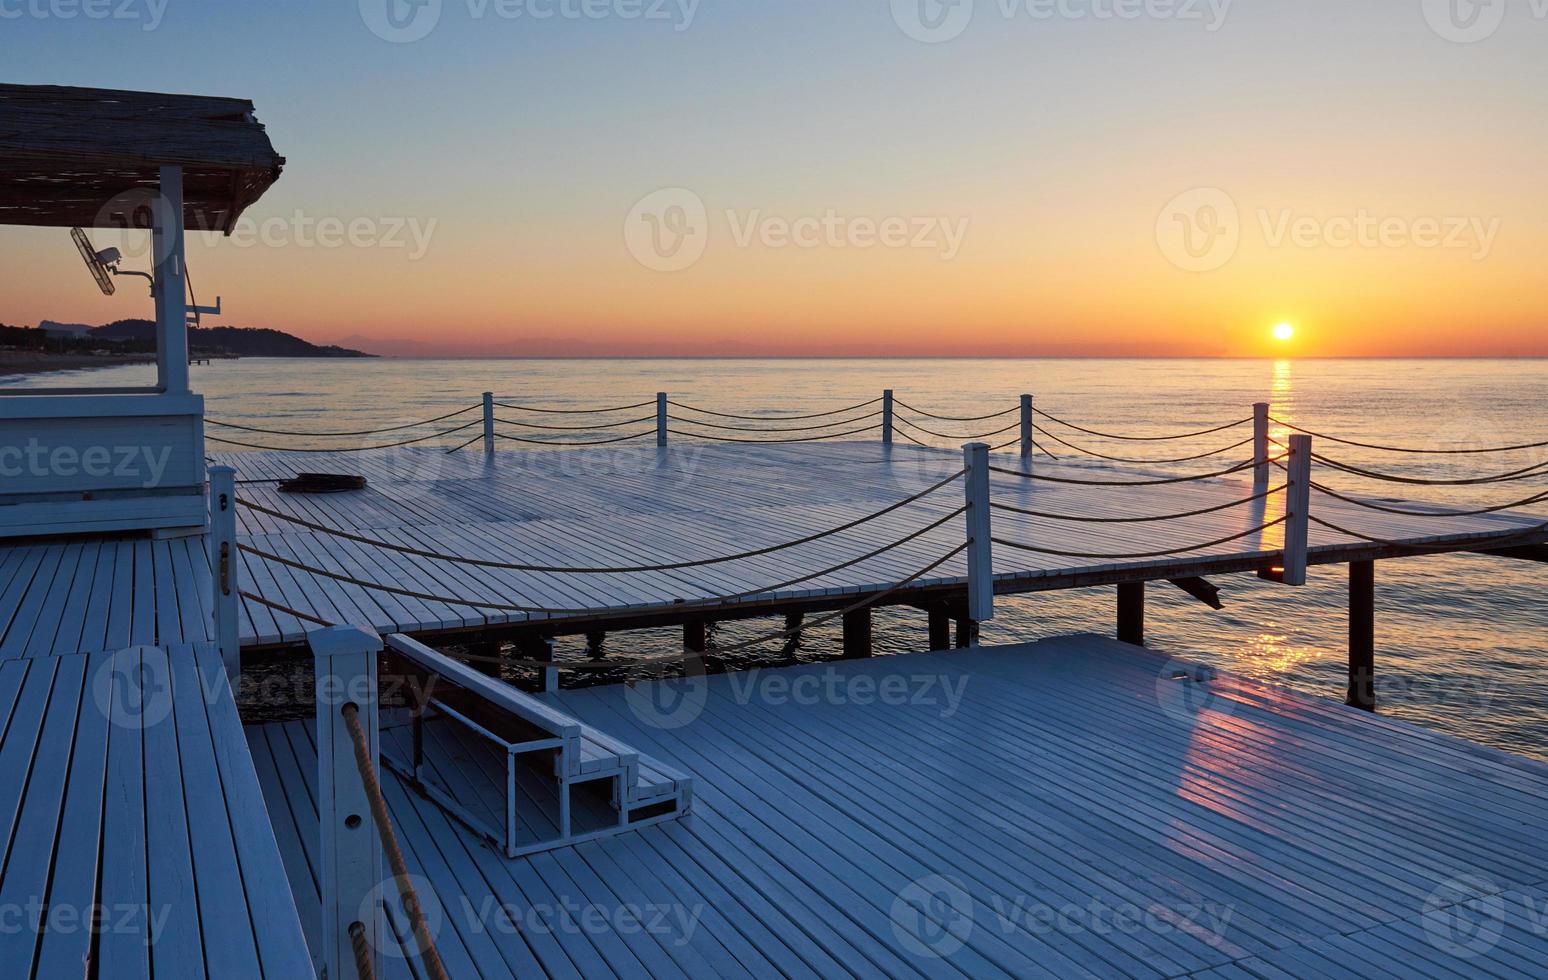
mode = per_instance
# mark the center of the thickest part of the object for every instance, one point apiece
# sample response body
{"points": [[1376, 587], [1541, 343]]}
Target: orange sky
{"points": [[1074, 187]]}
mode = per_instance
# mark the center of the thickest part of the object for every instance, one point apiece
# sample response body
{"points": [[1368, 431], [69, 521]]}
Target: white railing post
{"points": [[170, 284], [350, 871], [979, 554], [887, 417], [489, 432], [661, 418], [1260, 445], [1297, 509], [1026, 429], [223, 569]]}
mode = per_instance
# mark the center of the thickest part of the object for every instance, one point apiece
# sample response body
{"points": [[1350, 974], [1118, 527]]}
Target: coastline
{"points": [[24, 363]]}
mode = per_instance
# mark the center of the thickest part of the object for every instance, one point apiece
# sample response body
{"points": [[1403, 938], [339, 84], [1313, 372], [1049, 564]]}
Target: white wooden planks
{"points": [[130, 800], [1253, 832]]}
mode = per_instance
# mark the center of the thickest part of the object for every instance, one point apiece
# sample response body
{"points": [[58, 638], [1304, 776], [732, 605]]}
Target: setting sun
{"points": [[1284, 332]]}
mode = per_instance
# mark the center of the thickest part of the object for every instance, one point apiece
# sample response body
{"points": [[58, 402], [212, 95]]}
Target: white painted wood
{"points": [[1261, 446], [351, 871], [171, 283], [887, 417], [980, 558], [1026, 432], [227, 584], [489, 425], [661, 418], [1297, 509]]}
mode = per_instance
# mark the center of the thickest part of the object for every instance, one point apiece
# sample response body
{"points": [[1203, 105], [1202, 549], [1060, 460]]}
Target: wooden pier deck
{"points": [[1071, 808], [133, 836], [624, 507]]}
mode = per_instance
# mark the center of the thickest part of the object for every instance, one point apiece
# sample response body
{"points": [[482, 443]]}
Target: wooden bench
{"points": [[512, 767]]}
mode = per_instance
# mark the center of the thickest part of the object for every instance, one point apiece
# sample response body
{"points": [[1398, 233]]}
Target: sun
{"points": [[1283, 332]]}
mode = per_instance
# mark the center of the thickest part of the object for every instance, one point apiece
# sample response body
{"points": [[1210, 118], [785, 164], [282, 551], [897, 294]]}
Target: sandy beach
{"points": [[28, 362]]}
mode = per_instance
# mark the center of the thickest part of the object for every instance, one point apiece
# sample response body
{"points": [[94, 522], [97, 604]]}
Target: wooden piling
{"points": [[1362, 635], [857, 634], [695, 636], [887, 416], [940, 628], [1131, 613]]}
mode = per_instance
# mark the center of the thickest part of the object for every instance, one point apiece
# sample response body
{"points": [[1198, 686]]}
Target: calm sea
{"points": [[1463, 640]]}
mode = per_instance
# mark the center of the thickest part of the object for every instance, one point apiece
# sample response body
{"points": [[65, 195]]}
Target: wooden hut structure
{"points": [[100, 459]]}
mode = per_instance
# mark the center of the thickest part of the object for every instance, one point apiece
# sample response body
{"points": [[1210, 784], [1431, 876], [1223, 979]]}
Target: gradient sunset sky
{"points": [[1373, 172]]}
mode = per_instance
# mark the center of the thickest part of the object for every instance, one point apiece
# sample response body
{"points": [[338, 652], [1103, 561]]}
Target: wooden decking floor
{"points": [[1070, 808], [640, 507], [135, 839]]}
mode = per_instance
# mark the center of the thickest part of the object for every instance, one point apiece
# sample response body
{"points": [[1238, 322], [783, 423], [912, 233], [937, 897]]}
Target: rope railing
{"points": [[1501, 540], [794, 428], [348, 449], [1167, 553], [1409, 450], [774, 442], [1196, 478], [1112, 435], [1383, 508], [773, 418], [572, 443], [600, 570], [1231, 505], [946, 435], [1525, 473], [361, 432], [781, 635], [696, 605], [1146, 462], [953, 418], [776, 635], [573, 411], [575, 428], [429, 957]]}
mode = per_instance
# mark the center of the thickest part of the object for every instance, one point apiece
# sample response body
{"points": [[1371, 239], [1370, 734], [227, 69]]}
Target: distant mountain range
{"points": [[238, 341]]}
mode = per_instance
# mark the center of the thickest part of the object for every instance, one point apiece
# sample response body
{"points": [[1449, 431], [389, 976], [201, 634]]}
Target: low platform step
{"points": [[516, 768]]}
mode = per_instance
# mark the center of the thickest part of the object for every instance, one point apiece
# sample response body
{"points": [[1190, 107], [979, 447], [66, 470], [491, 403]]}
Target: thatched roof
{"points": [[92, 157]]}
